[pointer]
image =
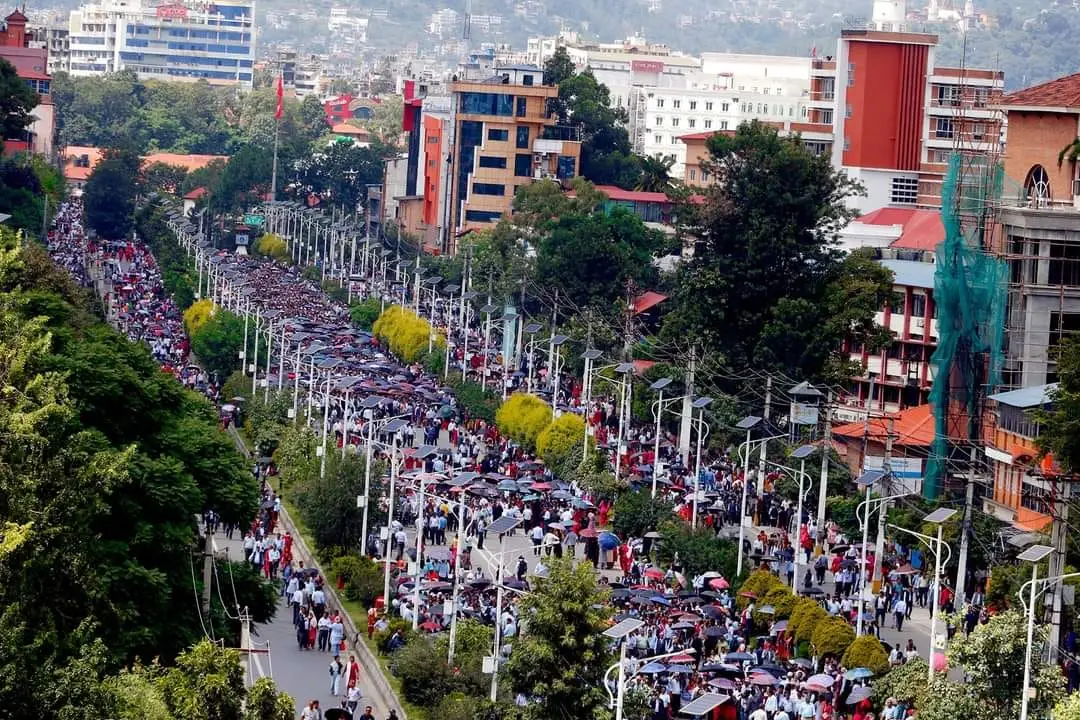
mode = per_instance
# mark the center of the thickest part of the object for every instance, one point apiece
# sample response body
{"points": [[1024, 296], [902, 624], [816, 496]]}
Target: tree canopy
{"points": [[109, 195], [16, 102]]}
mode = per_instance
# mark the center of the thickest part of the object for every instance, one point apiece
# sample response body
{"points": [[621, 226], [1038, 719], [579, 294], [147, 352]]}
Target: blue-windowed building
{"points": [[179, 41]]}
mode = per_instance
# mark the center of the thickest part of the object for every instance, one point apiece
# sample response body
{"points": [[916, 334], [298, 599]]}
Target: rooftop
{"points": [[617, 194], [920, 229], [1028, 397], [912, 427], [911, 273], [1062, 93]]}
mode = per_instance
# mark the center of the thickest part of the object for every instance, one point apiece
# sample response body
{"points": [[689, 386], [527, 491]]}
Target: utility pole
{"points": [[883, 511], [1059, 535], [764, 443], [824, 483], [208, 568], [965, 531], [687, 410], [551, 349]]}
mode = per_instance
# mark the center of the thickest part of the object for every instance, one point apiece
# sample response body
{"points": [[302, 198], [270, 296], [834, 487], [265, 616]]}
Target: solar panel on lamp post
{"points": [[1034, 555], [658, 387], [937, 517], [618, 633]]}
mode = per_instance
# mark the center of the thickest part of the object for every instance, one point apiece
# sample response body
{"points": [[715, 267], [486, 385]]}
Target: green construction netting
{"points": [[970, 292]]}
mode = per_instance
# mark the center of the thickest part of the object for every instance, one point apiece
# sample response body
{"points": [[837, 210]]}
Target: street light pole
{"points": [[1030, 641], [389, 523], [747, 423], [934, 606], [702, 429]]}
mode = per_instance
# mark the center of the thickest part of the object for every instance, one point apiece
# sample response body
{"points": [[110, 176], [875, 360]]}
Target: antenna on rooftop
{"points": [[466, 30]]}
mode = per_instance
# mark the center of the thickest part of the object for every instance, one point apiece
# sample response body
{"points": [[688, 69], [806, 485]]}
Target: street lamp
{"points": [[460, 482], [590, 356], [937, 517], [700, 404], [658, 386], [625, 389], [618, 633], [392, 428], [1034, 555], [500, 527], [531, 329], [487, 310], [450, 290], [748, 423], [800, 454]]}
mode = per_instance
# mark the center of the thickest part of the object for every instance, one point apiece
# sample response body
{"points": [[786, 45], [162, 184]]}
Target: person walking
{"points": [[337, 669]]}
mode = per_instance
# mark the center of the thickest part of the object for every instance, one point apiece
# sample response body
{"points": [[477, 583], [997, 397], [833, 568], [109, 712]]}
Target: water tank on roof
{"points": [[889, 15]]}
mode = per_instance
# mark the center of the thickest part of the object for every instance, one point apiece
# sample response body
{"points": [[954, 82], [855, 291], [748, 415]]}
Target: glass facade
{"points": [[488, 216], [487, 104], [523, 137], [488, 189]]}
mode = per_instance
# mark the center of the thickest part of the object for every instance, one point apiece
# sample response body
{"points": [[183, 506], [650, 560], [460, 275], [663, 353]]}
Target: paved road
{"points": [[304, 674]]}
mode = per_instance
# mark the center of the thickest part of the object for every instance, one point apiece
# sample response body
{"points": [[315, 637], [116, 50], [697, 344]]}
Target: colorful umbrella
{"points": [[719, 583], [858, 673]]}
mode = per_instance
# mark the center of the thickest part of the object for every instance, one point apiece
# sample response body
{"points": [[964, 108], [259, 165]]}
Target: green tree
{"points": [[109, 195], [656, 174], [163, 178], [16, 102], [766, 265], [339, 174], [560, 657], [1060, 434], [698, 550], [364, 314], [386, 120], [559, 67], [636, 513], [219, 341]]}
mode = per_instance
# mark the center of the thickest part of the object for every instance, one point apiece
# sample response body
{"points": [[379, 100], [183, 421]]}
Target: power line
{"points": [[198, 602]]}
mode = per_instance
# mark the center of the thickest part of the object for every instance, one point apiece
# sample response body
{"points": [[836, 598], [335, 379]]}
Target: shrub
{"points": [[560, 438], [636, 513], [382, 637], [198, 315], [760, 583], [473, 399], [832, 636], [806, 614], [698, 550], [522, 418], [218, 341], [362, 577], [866, 652], [425, 677], [364, 314], [782, 600], [404, 332], [273, 246]]}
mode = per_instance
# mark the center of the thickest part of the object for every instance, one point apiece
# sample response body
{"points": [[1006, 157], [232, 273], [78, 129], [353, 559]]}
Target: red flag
{"points": [[280, 99]]}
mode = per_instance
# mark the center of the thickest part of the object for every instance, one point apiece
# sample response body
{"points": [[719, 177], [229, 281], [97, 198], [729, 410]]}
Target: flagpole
{"points": [[273, 172]]}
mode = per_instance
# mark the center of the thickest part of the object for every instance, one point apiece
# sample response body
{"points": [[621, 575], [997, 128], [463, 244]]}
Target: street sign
{"points": [[254, 220]]}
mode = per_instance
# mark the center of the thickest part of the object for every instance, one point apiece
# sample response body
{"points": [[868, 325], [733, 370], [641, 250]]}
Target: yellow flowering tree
{"points": [[405, 333], [522, 418], [273, 246], [198, 315]]}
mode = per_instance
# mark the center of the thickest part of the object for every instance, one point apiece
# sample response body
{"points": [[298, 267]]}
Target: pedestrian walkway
{"points": [[304, 674]]}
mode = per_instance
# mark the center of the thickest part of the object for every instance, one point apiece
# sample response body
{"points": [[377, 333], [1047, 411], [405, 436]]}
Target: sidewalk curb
{"points": [[372, 668]]}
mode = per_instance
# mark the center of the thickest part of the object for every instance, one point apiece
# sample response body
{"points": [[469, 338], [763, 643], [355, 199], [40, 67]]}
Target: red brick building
{"points": [[31, 65]]}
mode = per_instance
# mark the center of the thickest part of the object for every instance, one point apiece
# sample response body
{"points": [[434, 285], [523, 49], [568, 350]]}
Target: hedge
{"points": [[832, 636], [805, 615], [866, 652], [522, 418], [556, 442]]}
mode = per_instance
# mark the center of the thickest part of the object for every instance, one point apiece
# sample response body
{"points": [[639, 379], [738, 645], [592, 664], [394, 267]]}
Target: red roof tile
{"points": [[617, 194], [647, 301], [705, 135], [196, 194], [912, 427], [1061, 93], [921, 229]]}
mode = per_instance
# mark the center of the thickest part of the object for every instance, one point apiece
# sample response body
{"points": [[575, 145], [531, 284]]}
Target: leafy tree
{"points": [[273, 246], [264, 702], [24, 180], [522, 418], [196, 316], [656, 174], [766, 268], [109, 195], [698, 550], [557, 440], [16, 102], [1068, 709], [163, 178], [339, 174], [606, 155], [1060, 434], [559, 67], [328, 505], [906, 683], [364, 314], [246, 178], [832, 637], [560, 657], [386, 120], [636, 513], [313, 116]]}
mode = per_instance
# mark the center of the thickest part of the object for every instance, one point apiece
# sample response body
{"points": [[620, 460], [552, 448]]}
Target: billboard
{"points": [[646, 66], [172, 12]]}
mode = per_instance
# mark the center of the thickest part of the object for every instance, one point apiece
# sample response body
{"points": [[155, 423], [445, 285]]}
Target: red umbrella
{"points": [[589, 532], [541, 486], [430, 626], [719, 584], [654, 573], [750, 595]]}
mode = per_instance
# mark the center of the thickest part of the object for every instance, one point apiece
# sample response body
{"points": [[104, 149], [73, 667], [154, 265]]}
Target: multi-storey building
{"points": [[31, 65], [56, 41], [1039, 235], [189, 40]]}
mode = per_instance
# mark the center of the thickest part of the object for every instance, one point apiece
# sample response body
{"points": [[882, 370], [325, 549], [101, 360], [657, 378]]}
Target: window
{"points": [[659, 102], [523, 165], [708, 124], [473, 103], [676, 104], [674, 122], [847, 111], [693, 174], [691, 122], [905, 191], [978, 131], [767, 90], [567, 167], [527, 80], [779, 91], [489, 161], [1064, 265], [708, 106], [693, 104], [723, 107], [523, 137], [723, 124], [659, 121], [918, 305], [946, 95], [658, 139], [847, 143], [499, 135], [754, 89], [940, 157], [674, 140], [982, 95], [944, 128], [488, 189], [897, 304], [704, 176], [522, 104], [485, 216]]}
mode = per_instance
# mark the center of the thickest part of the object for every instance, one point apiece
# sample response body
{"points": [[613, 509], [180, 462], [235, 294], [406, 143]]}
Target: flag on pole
{"points": [[280, 99]]}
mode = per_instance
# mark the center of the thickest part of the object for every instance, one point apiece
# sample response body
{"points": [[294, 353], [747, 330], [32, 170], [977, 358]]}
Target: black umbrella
{"points": [[337, 714], [715, 631]]}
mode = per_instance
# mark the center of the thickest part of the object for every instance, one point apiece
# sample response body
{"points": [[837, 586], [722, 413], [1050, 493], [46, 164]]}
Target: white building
{"points": [[183, 41], [729, 90]]}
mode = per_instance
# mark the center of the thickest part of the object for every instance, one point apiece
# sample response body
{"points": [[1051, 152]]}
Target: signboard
{"points": [[804, 414], [172, 12], [242, 239], [254, 220], [646, 66]]}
